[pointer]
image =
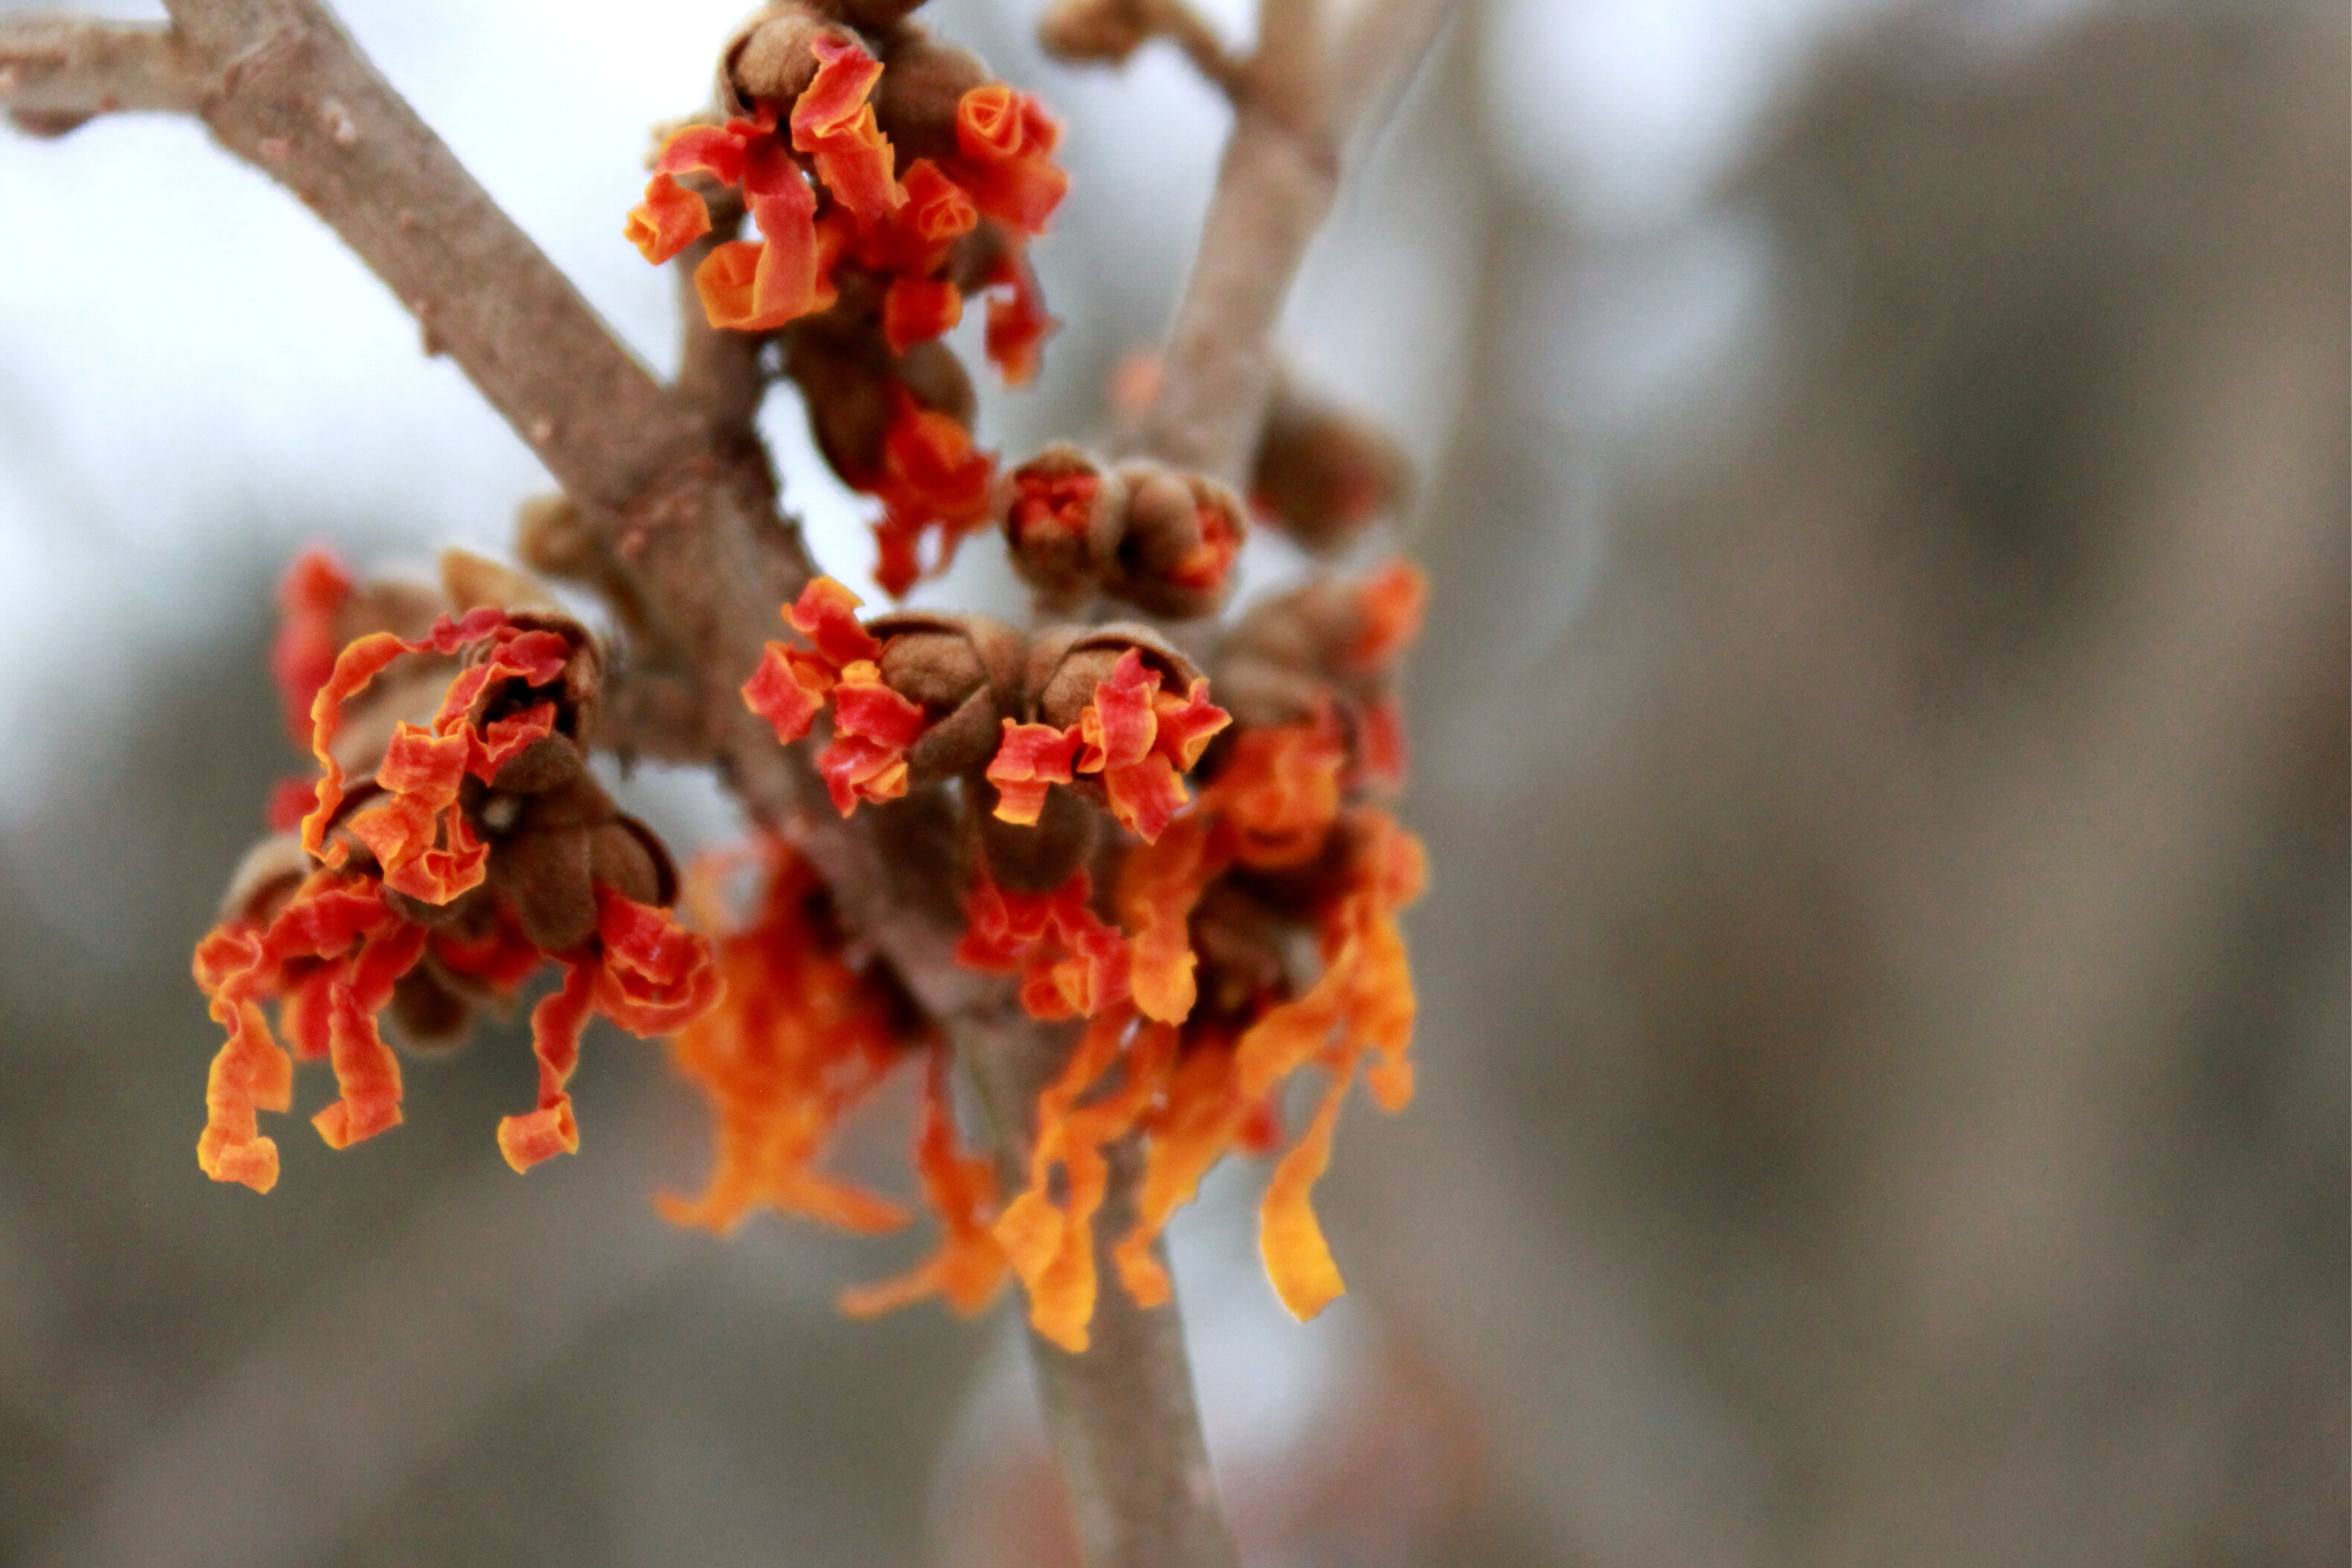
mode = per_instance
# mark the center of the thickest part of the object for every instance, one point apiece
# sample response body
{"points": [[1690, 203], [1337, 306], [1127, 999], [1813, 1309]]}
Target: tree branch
{"points": [[1280, 175], [56, 72]]}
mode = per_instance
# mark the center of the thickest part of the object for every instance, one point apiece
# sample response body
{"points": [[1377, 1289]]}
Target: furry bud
{"points": [[923, 82], [771, 57], [1182, 533], [1067, 663], [1322, 473], [1062, 513]]}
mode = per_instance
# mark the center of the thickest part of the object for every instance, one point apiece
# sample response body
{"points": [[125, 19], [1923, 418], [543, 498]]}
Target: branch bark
{"points": [[56, 72]]}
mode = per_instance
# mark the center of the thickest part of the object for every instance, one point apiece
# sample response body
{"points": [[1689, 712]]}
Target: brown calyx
{"points": [[923, 82]]}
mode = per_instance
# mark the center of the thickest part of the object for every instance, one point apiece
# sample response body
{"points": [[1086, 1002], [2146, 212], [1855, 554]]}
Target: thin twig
{"points": [[56, 72], [1279, 177]]}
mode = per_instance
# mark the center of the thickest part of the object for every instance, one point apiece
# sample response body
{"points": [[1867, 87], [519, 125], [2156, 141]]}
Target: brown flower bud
{"points": [[932, 373], [771, 57], [871, 15], [470, 581], [923, 80], [577, 693], [427, 1017], [626, 856], [1040, 858], [1061, 512], [262, 881], [1176, 554], [966, 673], [1083, 32], [1322, 473], [849, 380], [1067, 663]]}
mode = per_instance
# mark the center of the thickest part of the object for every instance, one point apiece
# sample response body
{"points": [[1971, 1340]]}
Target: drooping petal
{"points": [[556, 1025], [310, 598], [367, 1075], [968, 1267], [1159, 883], [796, 1041], [1298, 1257]]}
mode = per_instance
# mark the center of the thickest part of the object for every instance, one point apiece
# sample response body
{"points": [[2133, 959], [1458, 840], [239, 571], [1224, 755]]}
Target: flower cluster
{"points": [[887, 179], [476, 849], [1182, 963]]}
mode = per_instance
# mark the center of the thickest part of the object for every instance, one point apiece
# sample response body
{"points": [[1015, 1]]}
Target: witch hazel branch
{"points": [[1130, 865]]}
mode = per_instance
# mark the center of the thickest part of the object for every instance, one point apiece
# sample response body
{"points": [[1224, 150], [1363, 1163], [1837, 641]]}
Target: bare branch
{"points": [[56, 72], [298, 101], [1376, 54], [1109, 31], [1279, 178]]}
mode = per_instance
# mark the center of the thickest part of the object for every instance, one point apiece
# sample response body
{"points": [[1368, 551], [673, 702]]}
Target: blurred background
{"points": [[1882, 743]]}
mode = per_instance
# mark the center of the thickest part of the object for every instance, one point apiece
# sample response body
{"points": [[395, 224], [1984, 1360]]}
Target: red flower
{"points": [[1138, 738]]}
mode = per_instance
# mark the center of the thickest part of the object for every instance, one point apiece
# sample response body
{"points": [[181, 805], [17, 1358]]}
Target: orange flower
{"points": [[1050, 1244], [331, 946], [932, 478], [419, 834], [1138, 738], [873, 726], [1006, 140], [968, 1267], [1072, 964], [832, 121], [797, 1040]]}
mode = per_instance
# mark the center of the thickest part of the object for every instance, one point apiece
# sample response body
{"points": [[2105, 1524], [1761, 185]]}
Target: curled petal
{"points": [[856, 770], [1185, 725], [938, 209], [1028, 760], [655, 974], [556, 1025], [718, 150], [865, 708], [367, 1075], [826, 613], [1119, 724], [670, 218], [1145, 796]]}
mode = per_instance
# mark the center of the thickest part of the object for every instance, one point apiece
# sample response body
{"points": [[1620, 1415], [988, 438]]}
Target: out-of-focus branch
{"points": [[1280, 175], [1109, 31], [56, 72]]}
